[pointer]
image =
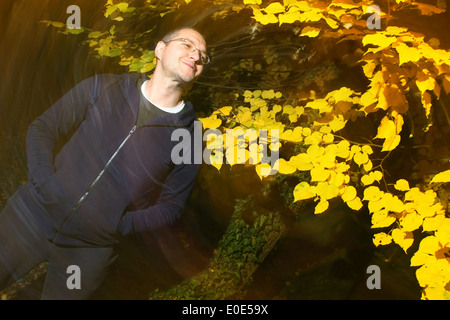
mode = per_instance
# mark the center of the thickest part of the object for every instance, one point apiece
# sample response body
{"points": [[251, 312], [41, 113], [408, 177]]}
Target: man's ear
{"points": [[159, 49]]}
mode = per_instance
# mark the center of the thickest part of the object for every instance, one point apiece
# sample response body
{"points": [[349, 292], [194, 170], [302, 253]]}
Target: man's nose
{"points": [[195, 55]]}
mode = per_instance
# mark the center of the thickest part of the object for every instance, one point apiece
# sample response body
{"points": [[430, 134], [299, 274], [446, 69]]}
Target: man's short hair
{"points": [[173, 33]]}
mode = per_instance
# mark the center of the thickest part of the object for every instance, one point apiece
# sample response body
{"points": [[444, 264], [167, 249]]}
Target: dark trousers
{"points": [[74, 273]]}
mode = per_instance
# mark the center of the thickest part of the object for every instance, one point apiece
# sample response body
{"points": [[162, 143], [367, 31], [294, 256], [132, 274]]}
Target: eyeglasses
{"points": [[191, 47]]}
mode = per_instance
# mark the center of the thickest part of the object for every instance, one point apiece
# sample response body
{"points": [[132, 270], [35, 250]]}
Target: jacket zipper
{"points": [[89, 189]]}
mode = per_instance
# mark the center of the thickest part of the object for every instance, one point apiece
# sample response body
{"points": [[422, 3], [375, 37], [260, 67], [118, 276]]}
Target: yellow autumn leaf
{"points": [[407, 54], [263, 170], [379, 40], [245, 117], [411, 221], [289, 17], [288, 109], [394, 204], [361, 158], [429, 245], [432, 293], [306, 131], [214, 142], [377, 205], [426, 101], [428, 197], [368, 99], [123, 6], [277, 108], [337, 178], [433, 223], [367, 180], [404, 239], [367, 149], [321, 207], [264, 18], [443, 233], [293, 135], [327, 191], [342, 94], [211, 122], [425, 82], [376, 175], [372, 193], [420, 258], [314, 139], [349, 194], [55, 24], [368, 166], [268, 94], [382, 219], [441, 177], [398, 120], [426, 210], [258, 2], [320, 104], [381, 239], [293, 118], [312, 15], [302, 161], [304, 191], [328, 138], [338, 123], [368, 68], [395, 31], [216, 160], [387, 129], [274, 7], [315, 151], [285, 167], [355, 204], [225, 110], [402, 185], [318, 173], [332, 23], [300, 5], [355, 149], [343, 149], [391, 143], [433, 274], [310, 32], [344, 4], [289, 135]]}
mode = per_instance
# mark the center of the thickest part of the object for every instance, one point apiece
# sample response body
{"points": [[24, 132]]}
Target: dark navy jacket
{"points": [[112, 177]]}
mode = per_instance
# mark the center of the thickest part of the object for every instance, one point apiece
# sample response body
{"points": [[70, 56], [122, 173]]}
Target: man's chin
{"points": [[187, 81]]}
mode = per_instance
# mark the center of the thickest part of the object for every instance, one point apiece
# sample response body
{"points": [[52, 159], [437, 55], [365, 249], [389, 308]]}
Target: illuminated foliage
{"points": [[397, 63]]}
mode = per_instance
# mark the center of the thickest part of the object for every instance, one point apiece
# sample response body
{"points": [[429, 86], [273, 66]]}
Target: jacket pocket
{"points": [[56, 194]]}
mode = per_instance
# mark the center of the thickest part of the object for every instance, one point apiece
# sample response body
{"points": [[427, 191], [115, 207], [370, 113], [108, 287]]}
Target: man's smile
{"points": [[190, 65]]}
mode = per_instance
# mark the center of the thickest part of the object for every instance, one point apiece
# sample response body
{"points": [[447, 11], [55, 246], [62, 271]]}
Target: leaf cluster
{"points": [[313, 136]]}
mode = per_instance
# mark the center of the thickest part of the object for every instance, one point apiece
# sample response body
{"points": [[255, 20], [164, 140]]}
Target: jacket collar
{"points": [[128, 84]]}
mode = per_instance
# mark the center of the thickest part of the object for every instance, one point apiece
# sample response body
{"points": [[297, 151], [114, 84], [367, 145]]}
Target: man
{"points": [[114, 177]]}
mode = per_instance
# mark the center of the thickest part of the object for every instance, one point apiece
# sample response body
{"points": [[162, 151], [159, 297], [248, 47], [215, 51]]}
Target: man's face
{"points": [[179, 59]]}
